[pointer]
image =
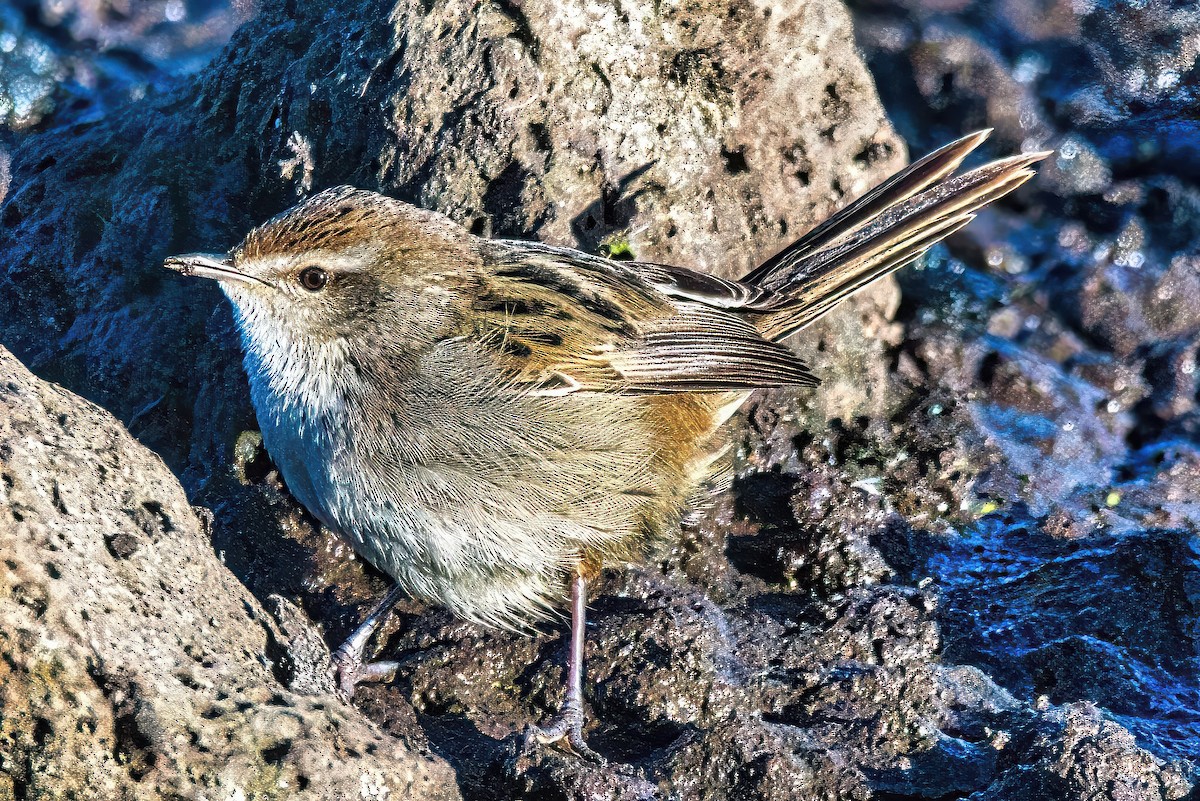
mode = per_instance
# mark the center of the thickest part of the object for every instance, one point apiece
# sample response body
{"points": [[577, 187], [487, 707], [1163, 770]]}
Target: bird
{"points": [[492, 422]]}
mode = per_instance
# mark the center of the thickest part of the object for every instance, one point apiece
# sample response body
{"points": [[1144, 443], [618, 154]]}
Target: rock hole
{"points": [[133, 747], [947, 83], [735, 160], [121, 544], [56, 497], [187, 681], [541, 136], [988, 368], [275, 754], [12, 216], [42, 732], [503, 199], [153, 520], [871, 153]]}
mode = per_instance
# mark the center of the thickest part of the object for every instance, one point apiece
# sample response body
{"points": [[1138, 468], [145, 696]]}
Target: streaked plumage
{"points": [[483, 419]]}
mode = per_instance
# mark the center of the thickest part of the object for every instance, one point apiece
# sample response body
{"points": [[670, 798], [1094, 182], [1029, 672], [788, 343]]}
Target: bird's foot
{"points": [[349, 671], [568, 726]]}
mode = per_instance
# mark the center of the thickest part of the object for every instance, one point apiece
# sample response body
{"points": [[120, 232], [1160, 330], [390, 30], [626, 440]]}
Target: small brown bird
{"points": [[492, 422]]}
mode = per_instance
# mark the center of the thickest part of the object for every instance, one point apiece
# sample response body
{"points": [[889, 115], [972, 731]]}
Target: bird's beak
{"points": [[206, 265]]}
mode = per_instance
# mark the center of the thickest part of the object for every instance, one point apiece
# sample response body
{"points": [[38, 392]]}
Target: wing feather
{"points": [[702, 349], [686, 284], [562, 322]]}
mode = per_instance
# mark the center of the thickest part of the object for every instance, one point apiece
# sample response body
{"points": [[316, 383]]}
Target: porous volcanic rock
{"points": [[135, 666]]}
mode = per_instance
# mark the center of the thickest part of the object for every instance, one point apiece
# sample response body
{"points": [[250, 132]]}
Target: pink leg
{"points": [[568, 724]]}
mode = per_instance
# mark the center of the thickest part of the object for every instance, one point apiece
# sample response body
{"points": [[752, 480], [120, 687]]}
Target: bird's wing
{"points": [[684, 283], [701, 349], [560, 321]]}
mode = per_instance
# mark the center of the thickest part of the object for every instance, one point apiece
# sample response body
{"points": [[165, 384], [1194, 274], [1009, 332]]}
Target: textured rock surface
{"points": [[1072, 355], [134, 664]]}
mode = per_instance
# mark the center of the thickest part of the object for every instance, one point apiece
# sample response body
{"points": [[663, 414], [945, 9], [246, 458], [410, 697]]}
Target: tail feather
{"points": [[782, 325], [882, 232], [912, 179]]}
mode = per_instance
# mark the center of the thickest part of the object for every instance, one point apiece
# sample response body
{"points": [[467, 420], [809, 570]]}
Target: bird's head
{"points": [[346, 270]]}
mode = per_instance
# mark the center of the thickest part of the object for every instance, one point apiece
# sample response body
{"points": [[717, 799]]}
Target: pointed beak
{"points": [[207, 265]]}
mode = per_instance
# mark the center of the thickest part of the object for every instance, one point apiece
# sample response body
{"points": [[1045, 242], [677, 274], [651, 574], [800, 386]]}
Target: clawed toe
{"points": [[568, 726], [350, 671]]}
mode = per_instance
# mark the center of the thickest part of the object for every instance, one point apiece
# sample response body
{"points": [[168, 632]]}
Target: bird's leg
{"points": [[568, 724], [348, 665]]}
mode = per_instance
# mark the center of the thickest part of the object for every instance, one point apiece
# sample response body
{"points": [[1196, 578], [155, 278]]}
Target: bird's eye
{"points": [[313, 279]]}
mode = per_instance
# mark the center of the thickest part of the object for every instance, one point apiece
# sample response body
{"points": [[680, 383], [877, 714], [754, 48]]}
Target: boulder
{"points": [[135, 666]]}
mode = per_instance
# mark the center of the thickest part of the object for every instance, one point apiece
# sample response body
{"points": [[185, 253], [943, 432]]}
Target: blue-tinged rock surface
{"points": [[1082, 581]]}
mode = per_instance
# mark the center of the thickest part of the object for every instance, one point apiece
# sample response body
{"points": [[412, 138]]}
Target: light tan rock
{"points": [[134, 665]]}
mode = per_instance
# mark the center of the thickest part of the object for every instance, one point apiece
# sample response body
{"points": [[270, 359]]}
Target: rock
{"points": [[1077, 753], [135, 665], [29, 72], [1088, 296], [175, 36]]}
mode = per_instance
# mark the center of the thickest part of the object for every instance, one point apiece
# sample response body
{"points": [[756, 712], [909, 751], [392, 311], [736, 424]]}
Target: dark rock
{"points": [[1077, 753], [1063, 585]]}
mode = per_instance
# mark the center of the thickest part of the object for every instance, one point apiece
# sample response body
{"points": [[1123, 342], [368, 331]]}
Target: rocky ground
{"points": [[1086, 323], [966, 567]]}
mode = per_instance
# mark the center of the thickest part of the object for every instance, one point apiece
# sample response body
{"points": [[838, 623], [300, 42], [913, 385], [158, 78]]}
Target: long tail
{"points": [[882, 231]]}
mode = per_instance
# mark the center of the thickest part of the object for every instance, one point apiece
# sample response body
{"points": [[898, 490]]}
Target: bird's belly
{"points": [[491, 522], [468, 555], [483, 565]]}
